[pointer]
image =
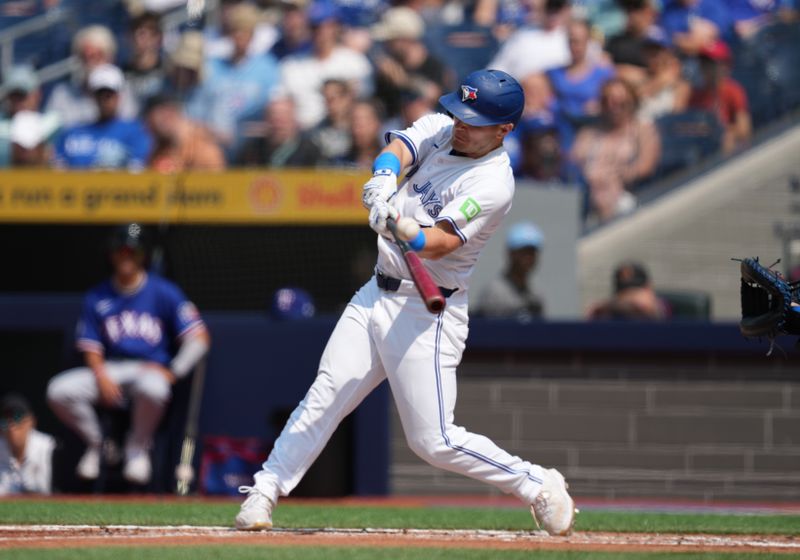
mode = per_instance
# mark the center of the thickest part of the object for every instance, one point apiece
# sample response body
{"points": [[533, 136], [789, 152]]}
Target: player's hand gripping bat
{"points": [[427, 288]]}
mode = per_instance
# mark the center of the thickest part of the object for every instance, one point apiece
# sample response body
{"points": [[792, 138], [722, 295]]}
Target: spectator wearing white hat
{"points": [[22, 95], [110, 142], [510, 294], [29, 134], [73, 101], [403, 58]]}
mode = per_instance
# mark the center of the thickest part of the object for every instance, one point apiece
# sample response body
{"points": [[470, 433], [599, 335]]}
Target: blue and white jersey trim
{"points": [[452, 222], [442, 425], [406, 140]]}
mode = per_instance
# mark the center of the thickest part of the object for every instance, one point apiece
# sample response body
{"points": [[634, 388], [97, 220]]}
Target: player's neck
{"points": [[129, 283], [475, 155]]}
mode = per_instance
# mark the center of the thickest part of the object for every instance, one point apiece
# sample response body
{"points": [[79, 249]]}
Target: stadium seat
{"points": [[768, 65], [687, 304], [464, 48], [686, 138], [750, 71]]}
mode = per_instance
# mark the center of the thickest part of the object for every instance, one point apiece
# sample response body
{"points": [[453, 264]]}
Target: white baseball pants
{"points": [[391, 335], [73, 393]]}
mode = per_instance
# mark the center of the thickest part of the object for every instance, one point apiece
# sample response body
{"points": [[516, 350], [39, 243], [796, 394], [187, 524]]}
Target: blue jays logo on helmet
{"points": [[501, 99], [469, 93]]}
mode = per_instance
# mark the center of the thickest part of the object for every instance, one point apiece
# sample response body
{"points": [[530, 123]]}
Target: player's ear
{"points": [[504, 130]]}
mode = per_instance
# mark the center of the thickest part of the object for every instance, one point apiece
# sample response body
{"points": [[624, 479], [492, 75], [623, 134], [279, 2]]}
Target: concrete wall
{"points": [[555, 211], [703, 439]]}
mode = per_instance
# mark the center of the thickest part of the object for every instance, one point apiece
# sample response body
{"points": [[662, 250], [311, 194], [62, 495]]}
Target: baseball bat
{"points": [[427, 288], [184, 472]]}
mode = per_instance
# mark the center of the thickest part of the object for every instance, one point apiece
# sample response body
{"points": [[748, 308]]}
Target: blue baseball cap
{"points": [[486, 97], [291, 304], [321, 11], [524, 234]]}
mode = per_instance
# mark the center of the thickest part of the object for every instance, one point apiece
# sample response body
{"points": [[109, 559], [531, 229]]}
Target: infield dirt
{"points": [[78, 536]]}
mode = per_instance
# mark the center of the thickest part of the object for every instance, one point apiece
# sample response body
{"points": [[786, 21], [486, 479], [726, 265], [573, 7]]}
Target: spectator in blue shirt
{"points": [[692, 25], [235, 89], [577, 85], [749, 16], [110, 142]]}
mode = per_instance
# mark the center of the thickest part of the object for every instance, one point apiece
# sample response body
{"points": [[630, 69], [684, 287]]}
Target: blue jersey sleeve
{"points": [[140, 144], [88, 331], [59, 155], [184, 317]]}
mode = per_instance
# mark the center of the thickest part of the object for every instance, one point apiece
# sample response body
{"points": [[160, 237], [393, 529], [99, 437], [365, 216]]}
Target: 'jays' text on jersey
{"points": [[141, 325], [473, 195]]}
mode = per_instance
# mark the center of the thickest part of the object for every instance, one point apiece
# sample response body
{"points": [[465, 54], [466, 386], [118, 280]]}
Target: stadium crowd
{"points": [[617, 91]]}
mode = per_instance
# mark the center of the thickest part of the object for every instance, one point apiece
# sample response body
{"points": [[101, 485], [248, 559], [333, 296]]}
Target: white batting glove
{"points": [[382, 185], [378, 214]]}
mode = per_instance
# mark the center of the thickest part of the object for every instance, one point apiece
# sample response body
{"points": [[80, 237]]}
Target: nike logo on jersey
{"points": [[429, 198], [132, 324]]}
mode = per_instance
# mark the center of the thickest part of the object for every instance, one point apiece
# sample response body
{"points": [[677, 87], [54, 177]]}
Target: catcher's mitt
{"points": [[770, 304]]}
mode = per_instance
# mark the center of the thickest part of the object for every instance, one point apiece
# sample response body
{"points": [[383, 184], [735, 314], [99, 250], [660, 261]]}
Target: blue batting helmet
{"points": [[486, 97]]}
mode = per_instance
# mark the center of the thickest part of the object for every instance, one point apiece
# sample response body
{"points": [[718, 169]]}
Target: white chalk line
{"points": [[645, 540]]}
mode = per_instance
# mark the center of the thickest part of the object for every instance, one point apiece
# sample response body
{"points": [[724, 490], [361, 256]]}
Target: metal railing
{"points": [[171, 21], [11, 34]]}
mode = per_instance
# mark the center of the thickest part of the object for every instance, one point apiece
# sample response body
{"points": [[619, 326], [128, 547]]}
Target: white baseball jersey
{"points": [[472, 194], [389, 334], [34, 473]]}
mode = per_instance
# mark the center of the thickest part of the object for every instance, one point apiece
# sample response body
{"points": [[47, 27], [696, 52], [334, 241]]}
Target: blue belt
{"points": [[390, 284]]}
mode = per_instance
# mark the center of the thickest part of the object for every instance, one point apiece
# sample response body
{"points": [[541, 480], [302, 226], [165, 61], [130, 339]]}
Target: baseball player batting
{"points": [[126, 330], [458, 187]]}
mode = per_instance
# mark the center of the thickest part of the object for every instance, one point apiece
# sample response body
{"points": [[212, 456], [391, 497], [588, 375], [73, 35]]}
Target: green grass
{"points": [[348, 516], [297, 553]]}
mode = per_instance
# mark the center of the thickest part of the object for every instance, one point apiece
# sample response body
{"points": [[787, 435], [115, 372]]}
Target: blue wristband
{"points": [[418, 243], [387, 160]]}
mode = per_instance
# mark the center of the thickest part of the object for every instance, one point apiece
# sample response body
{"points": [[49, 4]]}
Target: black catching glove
{"points": [[770, 304]]}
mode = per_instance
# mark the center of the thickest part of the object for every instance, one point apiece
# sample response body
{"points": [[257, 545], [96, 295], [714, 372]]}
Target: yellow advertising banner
{"points": [[235, 197]]}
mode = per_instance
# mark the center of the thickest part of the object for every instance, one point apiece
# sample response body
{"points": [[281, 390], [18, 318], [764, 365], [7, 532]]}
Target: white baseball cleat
{"points": [[137, 466], [89, 466], [255, 513], [553, 509]]}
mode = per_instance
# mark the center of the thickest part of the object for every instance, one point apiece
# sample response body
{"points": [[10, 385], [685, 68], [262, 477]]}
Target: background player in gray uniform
{"points": [[458, 187], [510, 293]]}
